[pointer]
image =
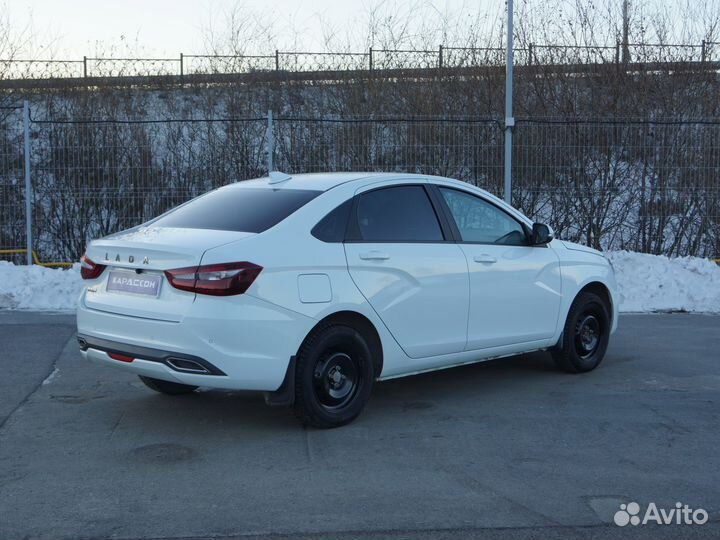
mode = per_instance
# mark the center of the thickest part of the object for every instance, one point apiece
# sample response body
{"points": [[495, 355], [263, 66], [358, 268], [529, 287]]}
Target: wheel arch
{"points": [[360, 323], [599, 288]]}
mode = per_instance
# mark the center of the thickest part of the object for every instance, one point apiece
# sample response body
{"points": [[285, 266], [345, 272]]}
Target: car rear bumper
{"points": [[179, 362], [241, 343]]}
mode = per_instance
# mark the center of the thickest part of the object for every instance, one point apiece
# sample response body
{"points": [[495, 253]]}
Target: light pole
{"points": [[509, 120], [626, 33]]}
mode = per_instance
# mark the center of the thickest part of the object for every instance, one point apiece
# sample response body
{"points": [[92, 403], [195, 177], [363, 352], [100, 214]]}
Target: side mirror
{"points": [[541, 234]]}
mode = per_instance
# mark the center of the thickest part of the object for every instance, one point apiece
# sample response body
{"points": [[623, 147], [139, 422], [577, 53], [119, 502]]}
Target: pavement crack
{"points": [[117, 423], [50, 373]]}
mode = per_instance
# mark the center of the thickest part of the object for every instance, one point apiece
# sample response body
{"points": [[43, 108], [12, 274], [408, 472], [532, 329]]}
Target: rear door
{"points": [[411, 273], [515, 288]]}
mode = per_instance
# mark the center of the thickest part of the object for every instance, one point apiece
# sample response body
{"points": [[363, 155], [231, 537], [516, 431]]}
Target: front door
{"points": [[515, 288]]}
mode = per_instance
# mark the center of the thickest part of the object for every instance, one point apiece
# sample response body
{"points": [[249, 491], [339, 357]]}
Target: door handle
{"points": [[374, 256], [484, 258]]}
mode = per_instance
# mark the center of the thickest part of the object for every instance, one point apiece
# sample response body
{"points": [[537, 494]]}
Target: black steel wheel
{"points": [[336, 380], [585, 335], [334, 376]]}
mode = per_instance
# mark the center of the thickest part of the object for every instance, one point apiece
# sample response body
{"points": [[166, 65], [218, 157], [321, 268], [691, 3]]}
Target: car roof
{"points": [[313, 181], [326, 181]]}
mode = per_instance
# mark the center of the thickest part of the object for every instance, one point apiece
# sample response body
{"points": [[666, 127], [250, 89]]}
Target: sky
{"points": [[164, 28], [69, 29]]}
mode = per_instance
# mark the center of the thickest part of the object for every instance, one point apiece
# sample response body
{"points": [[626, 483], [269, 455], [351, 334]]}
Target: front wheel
{"points": [[585, 335], [334, 376]]}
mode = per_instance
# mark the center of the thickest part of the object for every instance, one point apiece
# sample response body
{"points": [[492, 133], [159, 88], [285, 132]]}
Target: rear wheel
{"points": [[334, 376], [167, 387], [585, 335]]}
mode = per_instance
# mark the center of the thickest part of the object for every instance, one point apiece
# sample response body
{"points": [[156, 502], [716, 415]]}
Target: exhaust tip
{"points": [[187, 366], [83, 343]]}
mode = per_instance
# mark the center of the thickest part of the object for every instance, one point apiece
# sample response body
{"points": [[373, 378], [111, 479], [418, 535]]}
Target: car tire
{"points": [[334, 376], [585, 336], [167, 387]]}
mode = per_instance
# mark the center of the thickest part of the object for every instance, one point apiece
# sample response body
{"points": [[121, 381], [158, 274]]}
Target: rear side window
{"points": [[397, 214], [251, 210], [332, 227]]}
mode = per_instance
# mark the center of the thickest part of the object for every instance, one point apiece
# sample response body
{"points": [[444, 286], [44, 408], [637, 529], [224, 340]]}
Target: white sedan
{"points": [[312, 287]]}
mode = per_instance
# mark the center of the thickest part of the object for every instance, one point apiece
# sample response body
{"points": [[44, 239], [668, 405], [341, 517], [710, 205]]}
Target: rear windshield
{"points": [[242, 209]]}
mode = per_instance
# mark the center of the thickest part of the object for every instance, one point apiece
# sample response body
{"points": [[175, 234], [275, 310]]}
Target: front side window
{"points": [[397, 214], [239, 209], [481, 222]]}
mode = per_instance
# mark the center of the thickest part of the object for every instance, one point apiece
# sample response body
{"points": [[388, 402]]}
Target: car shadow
{"points": [[242, 409]]}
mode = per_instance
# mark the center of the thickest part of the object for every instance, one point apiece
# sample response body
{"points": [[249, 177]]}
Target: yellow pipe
{"points": [[36, 260]]}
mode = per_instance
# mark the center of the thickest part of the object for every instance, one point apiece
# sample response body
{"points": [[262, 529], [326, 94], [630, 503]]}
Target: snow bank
{"points": [[646, 283], [657, 283], [36, 287]]}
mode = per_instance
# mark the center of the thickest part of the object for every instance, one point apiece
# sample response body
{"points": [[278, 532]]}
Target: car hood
{"points": [[579, 247]]}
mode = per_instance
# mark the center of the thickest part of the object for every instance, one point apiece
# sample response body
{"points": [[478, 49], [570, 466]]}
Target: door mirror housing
{"points": [[541, 234]]}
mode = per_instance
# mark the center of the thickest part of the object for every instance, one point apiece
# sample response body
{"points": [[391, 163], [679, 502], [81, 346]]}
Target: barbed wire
{"points": [[371, 60]]}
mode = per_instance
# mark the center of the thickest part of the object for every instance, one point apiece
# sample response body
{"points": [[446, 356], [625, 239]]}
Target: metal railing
{"points": [[373, 59], [612, 184]]}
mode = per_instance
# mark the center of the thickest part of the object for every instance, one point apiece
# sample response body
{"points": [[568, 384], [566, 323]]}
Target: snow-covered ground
{"points": [[36, 287], [646, 283]]}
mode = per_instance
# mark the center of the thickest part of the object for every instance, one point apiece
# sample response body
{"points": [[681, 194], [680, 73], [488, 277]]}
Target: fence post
{"points": [[371, 60], [509, 119], [182, 70], [702, 51], [617, 52], [270, 141], [85, 67], [440, 56], [28, 184], [530, 54], [277, 60]]}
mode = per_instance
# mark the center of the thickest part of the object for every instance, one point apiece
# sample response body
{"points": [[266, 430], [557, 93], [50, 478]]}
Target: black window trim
{"points": [[313, 231], [435, 188], [352, 234]]}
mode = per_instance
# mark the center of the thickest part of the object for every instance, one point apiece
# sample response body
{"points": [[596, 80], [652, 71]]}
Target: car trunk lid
{"points": [[134, 283]]}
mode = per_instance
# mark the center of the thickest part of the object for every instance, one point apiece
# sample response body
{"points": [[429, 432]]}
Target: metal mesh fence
{"points": [[470, 150], [646, 186], [92, 179], [12, 182]]}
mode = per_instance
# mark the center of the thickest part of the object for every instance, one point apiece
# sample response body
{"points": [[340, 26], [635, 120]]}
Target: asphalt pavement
{"points": [[510, 448]]}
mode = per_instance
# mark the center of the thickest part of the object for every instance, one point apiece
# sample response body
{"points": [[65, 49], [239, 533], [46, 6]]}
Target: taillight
{"points": [[90, 269], [225, 279], [121, 357]]}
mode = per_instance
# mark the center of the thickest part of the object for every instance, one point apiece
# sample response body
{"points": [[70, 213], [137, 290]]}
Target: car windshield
{"points": [[251, 210]]}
